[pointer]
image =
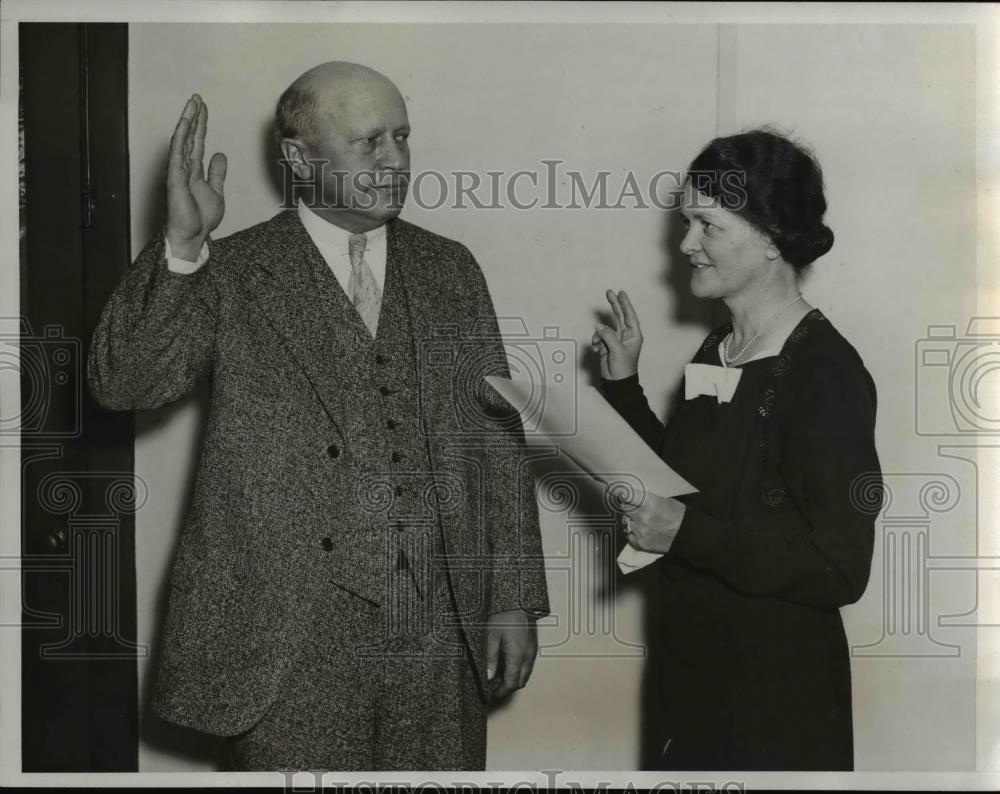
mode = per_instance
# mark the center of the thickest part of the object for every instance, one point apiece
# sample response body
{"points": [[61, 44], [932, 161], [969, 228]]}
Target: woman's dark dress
{"points": [[750, 668]]}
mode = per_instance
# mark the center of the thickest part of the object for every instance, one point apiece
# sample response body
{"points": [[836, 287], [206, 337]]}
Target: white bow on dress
{"points": [[718, 382]]}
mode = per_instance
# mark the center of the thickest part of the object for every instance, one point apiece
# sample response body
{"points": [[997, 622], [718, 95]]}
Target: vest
{"points": [[395, 485]]}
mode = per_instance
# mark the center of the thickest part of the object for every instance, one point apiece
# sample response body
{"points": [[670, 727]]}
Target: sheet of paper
{"points": [[592, 434]]}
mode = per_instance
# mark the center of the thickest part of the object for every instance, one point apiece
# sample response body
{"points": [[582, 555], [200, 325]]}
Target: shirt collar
{"points": [[326, 234]]}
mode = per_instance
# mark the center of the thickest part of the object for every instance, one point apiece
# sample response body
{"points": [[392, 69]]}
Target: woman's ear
{"points": [[765, 239]]}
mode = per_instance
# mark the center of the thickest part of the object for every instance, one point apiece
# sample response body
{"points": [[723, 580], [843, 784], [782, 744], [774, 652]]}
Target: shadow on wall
{"points": [[156, 208], [276, 172], [157, 733], [686, 310]]}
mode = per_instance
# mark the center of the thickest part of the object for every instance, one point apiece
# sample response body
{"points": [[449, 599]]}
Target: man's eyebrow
{"points": [[366, 132], [374, 132]]}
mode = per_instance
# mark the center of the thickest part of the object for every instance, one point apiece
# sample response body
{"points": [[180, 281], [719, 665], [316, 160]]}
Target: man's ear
{"points": [[296, 155]]}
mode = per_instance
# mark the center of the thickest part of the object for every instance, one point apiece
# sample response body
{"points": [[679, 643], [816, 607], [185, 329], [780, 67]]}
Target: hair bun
{"points": [[821, 241], [801, 248]]}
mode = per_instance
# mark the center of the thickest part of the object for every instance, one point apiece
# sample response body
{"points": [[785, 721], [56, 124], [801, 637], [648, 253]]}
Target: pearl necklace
{"points": [[732, 359]]}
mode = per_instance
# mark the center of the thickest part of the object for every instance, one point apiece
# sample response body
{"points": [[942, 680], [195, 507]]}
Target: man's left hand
{"points": [[511, 647]]}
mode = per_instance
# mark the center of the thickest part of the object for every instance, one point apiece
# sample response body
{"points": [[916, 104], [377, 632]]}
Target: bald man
{"points": [[360, 568]]}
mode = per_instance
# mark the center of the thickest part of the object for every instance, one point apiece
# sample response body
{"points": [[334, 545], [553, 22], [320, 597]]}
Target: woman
{"points": [[777, 434]]}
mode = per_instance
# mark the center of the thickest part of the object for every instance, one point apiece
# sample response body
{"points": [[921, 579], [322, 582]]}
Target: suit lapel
{"points": [[304, 303], [433, 321], [402, 261]]}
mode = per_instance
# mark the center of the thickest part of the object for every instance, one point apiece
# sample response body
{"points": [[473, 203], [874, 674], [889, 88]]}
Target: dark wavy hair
{"points": [[774, 184]]}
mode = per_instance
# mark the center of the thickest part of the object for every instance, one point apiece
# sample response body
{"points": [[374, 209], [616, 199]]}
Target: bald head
{"points": [[328, 92], [343, 128]]}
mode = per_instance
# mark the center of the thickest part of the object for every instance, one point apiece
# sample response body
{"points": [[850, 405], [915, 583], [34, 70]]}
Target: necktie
{"points": [[361, 287]]}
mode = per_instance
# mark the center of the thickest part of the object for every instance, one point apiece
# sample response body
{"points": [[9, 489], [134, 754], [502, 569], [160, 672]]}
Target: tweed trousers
{"points": [[375, 688]]}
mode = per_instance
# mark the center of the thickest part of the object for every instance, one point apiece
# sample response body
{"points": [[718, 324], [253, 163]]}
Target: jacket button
{"points": [[333, 451], [379, 358], [399, 490], [392, 424], [383, 390], [396, 457], [327, 544]]}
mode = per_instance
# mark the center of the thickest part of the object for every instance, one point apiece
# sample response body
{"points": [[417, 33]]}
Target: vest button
{"points": [[383, 390], [396, 457], [399, 490], [327, 544], [392, 424], [379, 358], [333, 451]]}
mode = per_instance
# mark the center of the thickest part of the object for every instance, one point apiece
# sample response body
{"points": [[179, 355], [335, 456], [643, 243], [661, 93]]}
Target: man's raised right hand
{"points": [[194, 206]]}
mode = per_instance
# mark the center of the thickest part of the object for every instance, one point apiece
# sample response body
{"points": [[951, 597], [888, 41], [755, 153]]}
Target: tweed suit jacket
{"points": [[276, 475]]}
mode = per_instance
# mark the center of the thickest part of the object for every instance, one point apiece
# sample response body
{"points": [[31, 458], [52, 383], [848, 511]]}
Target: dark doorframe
{"points": [[79, 673]]}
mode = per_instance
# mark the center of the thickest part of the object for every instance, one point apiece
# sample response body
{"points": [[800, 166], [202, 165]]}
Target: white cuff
{"points": [[177, 265]]}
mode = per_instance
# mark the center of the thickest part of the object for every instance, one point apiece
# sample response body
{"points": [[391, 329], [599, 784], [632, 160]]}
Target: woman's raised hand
{"points": [[194, 205], [619, 347]]}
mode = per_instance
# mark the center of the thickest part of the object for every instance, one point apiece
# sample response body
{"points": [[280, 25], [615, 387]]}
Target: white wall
{"points": [[889, 112]]}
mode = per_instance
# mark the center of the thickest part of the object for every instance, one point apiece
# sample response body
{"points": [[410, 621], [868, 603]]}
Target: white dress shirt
{"points": [[332, 242]]}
